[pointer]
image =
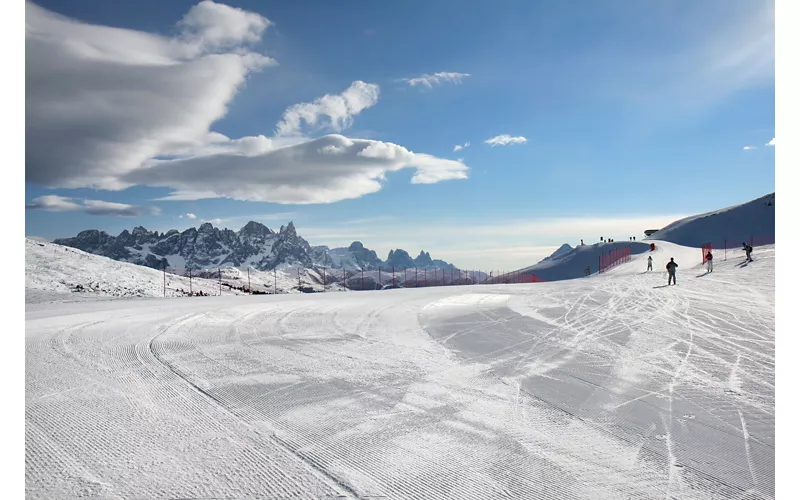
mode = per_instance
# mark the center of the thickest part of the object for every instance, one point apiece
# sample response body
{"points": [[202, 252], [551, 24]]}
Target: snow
{"points": [[734, 224], [59, 273], [725, 229], [613, 386], [572, 264]]}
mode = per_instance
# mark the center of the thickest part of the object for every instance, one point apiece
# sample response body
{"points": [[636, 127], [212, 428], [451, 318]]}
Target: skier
{"points": [[671, 267], [649, 262], [709, 262], [588, 270], [747, 250]]}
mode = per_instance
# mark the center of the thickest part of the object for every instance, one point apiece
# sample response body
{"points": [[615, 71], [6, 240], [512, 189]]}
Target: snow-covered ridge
{"points": [[255, 246], [754, 219], [60, 273]]}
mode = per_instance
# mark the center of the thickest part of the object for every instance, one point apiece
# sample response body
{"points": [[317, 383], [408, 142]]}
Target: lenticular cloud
{"points": [[100, 101], [111, 108]]}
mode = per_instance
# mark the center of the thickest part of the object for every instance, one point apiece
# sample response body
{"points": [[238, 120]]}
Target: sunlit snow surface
{"points": [[612, 386]]}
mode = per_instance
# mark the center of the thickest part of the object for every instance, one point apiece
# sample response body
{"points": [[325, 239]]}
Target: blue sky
{"points": [[632, 114]]}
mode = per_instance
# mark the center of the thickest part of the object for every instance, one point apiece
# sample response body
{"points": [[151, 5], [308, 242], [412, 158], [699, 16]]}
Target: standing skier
{"points": [[649, 262], [671, 267], [747, 250], [709, 262]]}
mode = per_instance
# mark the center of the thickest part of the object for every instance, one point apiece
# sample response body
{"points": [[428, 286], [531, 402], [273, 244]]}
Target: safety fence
{"points": [[732, 246], [613, 258], [214, 281]]}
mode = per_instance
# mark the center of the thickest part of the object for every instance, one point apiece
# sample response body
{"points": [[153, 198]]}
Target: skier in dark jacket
{"points": [[709, 262], [671, 267], [748, 250], [649, 262]]}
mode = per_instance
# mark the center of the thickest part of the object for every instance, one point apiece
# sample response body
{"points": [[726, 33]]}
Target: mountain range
{"points": [[255, 245]]}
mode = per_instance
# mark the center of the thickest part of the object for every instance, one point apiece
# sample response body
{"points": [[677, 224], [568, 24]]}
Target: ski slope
{"points": [[734, 224], [613, 386]]}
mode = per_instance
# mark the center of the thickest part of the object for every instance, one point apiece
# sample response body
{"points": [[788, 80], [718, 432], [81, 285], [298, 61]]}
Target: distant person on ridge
{"points": [[649, 262], [671, 267], [709, 262], [588, 270]]}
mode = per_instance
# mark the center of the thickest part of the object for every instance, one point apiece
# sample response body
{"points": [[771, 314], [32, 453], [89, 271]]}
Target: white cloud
{"points": [[771, 143], [55, 203], [435, 79], [750, 148], [459, 147], [187, 216], [100, 100], [217, 26], [339, 109], [109, 108], [324, 170], [505, 140]]}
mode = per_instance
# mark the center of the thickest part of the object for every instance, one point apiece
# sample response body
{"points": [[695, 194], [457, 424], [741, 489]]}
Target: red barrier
{"points": [[613, 258], [727, 245], [706, 248]]}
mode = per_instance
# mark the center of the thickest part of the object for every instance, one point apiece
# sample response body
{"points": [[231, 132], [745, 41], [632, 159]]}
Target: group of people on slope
{"points": [[672, 266]]}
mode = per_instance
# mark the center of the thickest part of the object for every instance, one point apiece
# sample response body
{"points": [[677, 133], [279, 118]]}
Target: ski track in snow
{"points": [[611, 386]]}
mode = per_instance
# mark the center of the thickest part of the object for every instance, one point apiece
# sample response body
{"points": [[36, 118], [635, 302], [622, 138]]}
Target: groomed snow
{"points": [[612, 386]]}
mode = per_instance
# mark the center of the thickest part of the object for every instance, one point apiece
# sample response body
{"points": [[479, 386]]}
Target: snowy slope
{"points": [[610, 387], [60, 273], [566, 247], [735, 224], [56, 272], [754, 219], [572, 264]]}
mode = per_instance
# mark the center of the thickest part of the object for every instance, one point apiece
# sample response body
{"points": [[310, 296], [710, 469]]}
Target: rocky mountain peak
{"points": [[253, 245], [255, 228]]}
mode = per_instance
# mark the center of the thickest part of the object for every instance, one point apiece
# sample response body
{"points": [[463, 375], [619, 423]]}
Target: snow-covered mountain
{"points": [[735, 224], [754, 219], [566, 247], [255, 245]]}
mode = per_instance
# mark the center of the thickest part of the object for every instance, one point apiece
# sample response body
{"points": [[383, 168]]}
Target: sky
{"points": [[487, 134]]}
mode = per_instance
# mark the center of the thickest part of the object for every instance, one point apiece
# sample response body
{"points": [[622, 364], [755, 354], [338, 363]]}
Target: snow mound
{"points": [[754, 219], [753, 222], [60, 273], [572, 264]]}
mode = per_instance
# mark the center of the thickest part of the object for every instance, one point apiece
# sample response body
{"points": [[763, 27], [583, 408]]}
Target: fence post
{"points": [[249, 290], [219, 274], [165, 279], [379, 276], [726, 249], [416, 279], [324, 280], [393, 282], [275, 280], [190, 281], [425, 276]]}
